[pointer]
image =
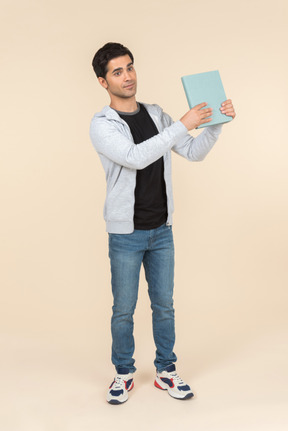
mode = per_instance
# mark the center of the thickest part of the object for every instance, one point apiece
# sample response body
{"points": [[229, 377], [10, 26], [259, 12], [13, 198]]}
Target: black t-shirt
{"points": [[150, 209]]}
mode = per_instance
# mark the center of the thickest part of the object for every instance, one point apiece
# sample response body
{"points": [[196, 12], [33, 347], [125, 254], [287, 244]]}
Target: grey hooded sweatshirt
{"points": [[121, 158]]}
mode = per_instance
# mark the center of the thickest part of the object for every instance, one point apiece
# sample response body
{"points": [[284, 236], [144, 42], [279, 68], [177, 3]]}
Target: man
{"points": [[134, 142]]}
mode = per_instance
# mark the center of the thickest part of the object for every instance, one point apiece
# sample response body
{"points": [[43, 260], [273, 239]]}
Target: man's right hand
{"points": [[196, 116]]}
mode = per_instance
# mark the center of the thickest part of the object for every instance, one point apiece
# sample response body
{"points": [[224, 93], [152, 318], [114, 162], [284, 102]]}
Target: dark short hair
{"points": [[105, 54]]}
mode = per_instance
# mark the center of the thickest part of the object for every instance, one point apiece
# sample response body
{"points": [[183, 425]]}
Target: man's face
{"points": [[121, 79]]}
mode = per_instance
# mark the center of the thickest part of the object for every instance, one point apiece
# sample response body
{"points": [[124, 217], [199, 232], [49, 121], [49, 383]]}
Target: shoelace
{"points": [[119, 383], [177, 379]]}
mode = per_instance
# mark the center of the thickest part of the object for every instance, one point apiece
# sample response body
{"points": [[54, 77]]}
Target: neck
{"points": [[124, 105]]}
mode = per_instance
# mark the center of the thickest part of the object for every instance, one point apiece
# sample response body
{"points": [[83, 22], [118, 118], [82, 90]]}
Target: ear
{"points": [[103, 82]]}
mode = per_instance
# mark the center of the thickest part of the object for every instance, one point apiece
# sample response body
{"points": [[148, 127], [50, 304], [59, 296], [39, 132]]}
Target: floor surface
{"points": [[46, 388]]}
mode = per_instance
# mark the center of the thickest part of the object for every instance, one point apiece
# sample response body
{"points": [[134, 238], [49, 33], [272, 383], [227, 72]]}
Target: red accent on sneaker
{"points": [[131, 387], [171, 380], [158, 386]]}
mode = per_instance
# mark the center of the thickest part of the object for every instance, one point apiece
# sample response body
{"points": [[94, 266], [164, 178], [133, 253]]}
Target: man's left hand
{"points": [[227, 108]]}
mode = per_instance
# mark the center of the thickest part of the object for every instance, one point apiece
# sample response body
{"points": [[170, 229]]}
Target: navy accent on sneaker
{"points": [[116, 393], [184, 388], [128, 384], [167, 381]]}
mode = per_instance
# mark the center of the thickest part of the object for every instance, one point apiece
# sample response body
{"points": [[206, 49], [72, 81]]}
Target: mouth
{"points": [[129, 86]]}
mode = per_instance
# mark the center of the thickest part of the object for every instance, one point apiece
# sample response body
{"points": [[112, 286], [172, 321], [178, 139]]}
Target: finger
{"points": [[205, 120], [230, 113], [206, 112], [206, 116], [228, 101], [227, 108], [201, 105]]}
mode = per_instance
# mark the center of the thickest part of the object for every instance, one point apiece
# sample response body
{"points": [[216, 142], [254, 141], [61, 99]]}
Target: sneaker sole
{"points": [[172, 394], [116, 402]]}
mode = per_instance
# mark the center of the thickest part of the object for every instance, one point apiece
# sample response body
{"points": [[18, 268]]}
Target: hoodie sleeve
{"points": [[195, 149], [110, 141]]}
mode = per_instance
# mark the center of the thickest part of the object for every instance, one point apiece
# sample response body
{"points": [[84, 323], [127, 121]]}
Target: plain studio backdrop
{"points": [[230, 220]]}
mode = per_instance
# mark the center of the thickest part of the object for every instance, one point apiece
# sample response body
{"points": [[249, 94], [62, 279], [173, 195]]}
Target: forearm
{"points": [[114, 145], [196, 149]]}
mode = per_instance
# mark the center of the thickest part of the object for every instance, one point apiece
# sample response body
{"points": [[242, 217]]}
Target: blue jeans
{"points": [[155, 248]]}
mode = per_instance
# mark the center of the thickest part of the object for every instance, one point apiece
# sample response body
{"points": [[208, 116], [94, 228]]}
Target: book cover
{"points": [[206, 87]]}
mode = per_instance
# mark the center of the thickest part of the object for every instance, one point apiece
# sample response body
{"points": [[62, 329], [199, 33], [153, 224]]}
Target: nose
{"points": [[127, 75]]}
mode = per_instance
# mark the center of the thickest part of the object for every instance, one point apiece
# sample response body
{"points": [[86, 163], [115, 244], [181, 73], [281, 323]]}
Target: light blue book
{"points": [[206, 87]]}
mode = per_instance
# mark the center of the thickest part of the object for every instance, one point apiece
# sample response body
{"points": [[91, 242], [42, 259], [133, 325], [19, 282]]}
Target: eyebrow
{"points": [[121, 68]]}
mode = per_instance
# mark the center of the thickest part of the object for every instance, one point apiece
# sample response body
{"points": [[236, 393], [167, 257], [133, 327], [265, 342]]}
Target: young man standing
{"points": [[134, 142]]}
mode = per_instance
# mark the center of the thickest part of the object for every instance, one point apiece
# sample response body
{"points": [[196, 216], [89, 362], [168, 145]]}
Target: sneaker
{"points": [[169, 380], [122, 384]]}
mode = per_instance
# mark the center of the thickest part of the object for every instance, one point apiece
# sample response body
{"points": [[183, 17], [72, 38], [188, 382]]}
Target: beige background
{"points": [[230, 222]]}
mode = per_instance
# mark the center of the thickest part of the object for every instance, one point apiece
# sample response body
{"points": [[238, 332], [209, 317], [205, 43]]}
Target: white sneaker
{"points": [[122, 384], [170, 381]]}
